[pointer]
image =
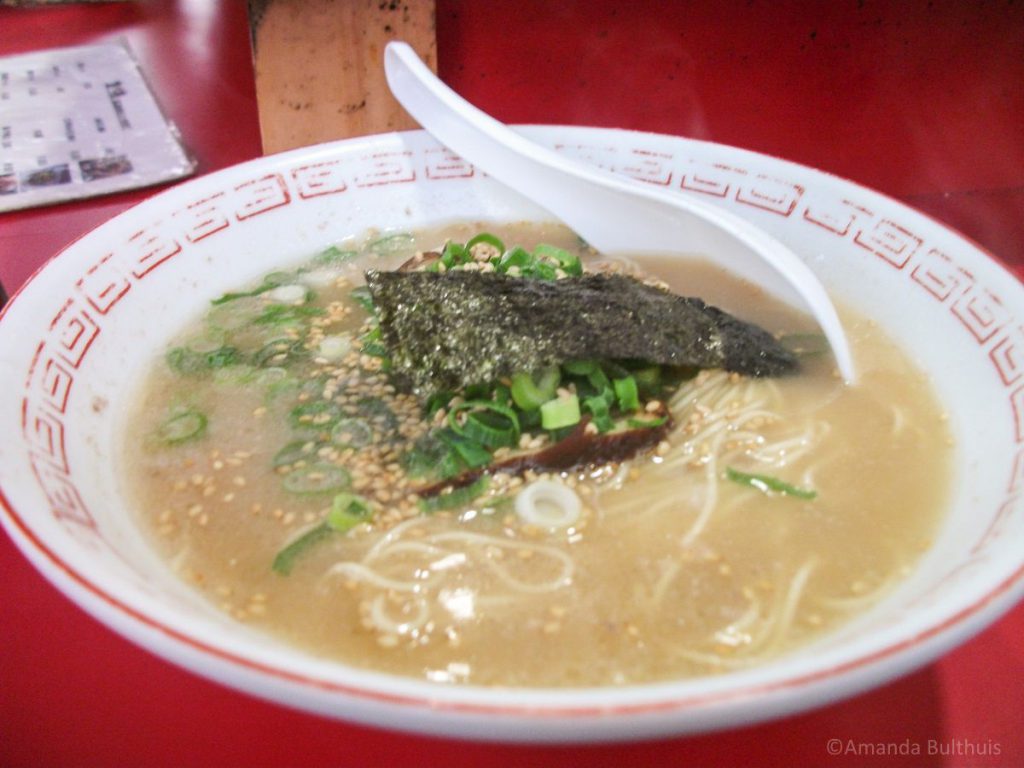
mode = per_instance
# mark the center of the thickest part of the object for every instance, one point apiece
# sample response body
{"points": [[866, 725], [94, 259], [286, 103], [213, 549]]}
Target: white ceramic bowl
{"points": [[74, 338]]}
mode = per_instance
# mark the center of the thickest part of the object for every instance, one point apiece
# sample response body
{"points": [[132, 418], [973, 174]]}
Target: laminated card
{"points": [[79, 122]]}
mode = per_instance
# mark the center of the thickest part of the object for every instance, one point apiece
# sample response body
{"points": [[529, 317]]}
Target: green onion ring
{"points": [[475, 428]]}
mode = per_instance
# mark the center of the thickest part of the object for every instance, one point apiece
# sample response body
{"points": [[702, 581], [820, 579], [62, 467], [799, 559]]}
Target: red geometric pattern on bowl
{"points": [[64, 345]]}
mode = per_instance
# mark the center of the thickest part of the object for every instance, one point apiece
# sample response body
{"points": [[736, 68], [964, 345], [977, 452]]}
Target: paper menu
{"points": [[78, 122]]}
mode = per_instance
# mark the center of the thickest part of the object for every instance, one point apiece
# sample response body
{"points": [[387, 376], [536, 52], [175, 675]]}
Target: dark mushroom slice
{"points": [[580, 449]]}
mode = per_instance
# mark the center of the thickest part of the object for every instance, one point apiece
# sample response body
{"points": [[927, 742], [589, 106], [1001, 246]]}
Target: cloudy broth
{"points": [[676, 567]]}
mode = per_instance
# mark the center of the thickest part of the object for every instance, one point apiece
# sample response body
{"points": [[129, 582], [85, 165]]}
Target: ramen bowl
{"points": [[79, 334]]}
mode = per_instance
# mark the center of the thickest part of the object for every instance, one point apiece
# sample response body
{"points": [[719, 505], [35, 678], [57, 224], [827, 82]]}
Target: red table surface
{"points": [[922, 101]]}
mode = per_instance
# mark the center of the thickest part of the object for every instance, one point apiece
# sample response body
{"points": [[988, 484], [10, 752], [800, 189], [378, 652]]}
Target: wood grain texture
{"points": [[319, 66]]}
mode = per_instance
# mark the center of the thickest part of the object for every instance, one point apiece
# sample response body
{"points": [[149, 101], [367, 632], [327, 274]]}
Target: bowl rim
{"points": [[928, 642]]}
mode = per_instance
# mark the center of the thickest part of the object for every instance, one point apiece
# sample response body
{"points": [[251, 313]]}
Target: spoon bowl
{"points": [[615, 214]]}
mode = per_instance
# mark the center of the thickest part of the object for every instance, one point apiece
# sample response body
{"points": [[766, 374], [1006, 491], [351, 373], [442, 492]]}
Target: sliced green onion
{"points": [[272, 375], [502, 394], [647, 423], [498, 503], [457, 497], [600, 410], [375, 349], [567, 262], [370, 343], [190, 362], [334, 255], [393, 243], [489, 423], [210, 340], [648, 380], [285, 314], [627, 393], [599, 380], [361, 295], [374, 334], [352, 433], [530, 395], [766, 483], [542, 270], [240, 295], [314, 385], [234, 375], [449, 465], [316, 478], [436, 402], [284, 387], [183, 425], [230, 317], [270, 281], [278, 352], [561, 412], [222, 357], [274, 279], [476, 392], [299, 450], [515, 257], [183, 360], [347, 511], [579, 367], [442, 454], [321, 414], [469, 451], [529, 420], [377, 412], [285, 559], [426, 455], [485, 237], [614, 370], [454, 254]]}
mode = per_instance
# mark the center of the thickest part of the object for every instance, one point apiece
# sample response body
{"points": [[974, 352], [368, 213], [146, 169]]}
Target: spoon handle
{"points": [[613, 213]]}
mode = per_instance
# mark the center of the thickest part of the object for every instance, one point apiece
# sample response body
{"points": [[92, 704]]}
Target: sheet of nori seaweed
{"points": [[445, 331]]}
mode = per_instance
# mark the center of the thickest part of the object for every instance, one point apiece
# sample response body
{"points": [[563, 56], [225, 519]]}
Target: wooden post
{"points": [[319, 66]]}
